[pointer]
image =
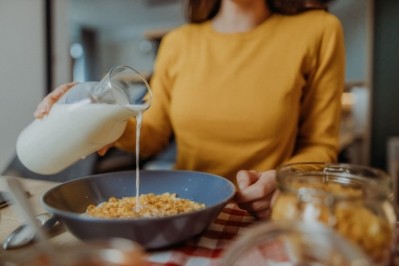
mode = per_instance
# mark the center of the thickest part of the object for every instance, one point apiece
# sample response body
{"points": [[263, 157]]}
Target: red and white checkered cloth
{"points": [[395, 260], [207, 248]]}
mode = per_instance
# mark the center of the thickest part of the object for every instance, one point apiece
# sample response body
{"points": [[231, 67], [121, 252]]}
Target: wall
{"points": [[353, 16], [120, 27], [22, 68], [357, 18], [135, 52], [61, 61], [385, 107]]}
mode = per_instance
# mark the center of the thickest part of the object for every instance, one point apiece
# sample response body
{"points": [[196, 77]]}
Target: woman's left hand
{"points": [[45, 105], [256, 192]]}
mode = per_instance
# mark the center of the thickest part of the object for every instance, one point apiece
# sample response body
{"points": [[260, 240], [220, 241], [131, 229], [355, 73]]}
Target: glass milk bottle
{"points": [[88, 117]]}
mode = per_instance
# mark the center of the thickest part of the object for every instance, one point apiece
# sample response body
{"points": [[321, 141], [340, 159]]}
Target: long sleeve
{"points": [[319, 122], [250, 100]]}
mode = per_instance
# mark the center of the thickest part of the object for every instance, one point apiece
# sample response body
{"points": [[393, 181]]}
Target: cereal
{"points": [[352, 218], [151, 205]]}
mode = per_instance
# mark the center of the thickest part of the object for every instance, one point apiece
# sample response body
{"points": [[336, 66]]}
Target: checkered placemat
{"points": [[206, 248]]}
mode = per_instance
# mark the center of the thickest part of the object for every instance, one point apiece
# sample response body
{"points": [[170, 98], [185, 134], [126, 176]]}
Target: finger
{"points": [[264, 215], [259, 209], [102, 151], [255, 206], [246, 178], [258, 204], [61, 90], [45, 105], [105, 149], [54, 96], [263, 187], [40, 110]]}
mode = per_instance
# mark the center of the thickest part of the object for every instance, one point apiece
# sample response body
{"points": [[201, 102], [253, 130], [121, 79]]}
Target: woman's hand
{"points": [[256, 192], [104, 149], [45, 105]]}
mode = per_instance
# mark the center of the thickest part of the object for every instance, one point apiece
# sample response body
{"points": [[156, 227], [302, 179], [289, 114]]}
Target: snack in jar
{"points": [[292, 243], [356, 201]]}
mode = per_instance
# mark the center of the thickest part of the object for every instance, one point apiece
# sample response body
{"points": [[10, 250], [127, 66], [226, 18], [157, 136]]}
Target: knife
{"points": [[4, 202]]}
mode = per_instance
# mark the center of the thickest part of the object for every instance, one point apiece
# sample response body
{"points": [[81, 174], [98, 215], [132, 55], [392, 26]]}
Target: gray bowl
{"points": [[68, 201]]}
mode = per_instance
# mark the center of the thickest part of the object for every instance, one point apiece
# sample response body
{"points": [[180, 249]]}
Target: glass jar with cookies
{"points": [[356, 201]]}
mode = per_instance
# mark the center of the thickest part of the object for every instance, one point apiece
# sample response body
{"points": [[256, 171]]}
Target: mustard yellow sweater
{"points": [[249, 100]]}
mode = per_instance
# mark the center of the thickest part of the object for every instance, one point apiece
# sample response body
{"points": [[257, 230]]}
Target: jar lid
{"points": [[343, 181]]}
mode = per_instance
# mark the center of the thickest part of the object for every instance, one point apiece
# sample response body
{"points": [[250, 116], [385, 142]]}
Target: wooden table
{"points": [[9, 220]]}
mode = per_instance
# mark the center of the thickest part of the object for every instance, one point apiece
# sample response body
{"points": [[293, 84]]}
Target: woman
{"points": [[245, 85]]}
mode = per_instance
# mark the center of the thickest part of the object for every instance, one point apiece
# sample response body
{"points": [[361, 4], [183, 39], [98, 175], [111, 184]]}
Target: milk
{"points": [[71, 132], [139, 118]]}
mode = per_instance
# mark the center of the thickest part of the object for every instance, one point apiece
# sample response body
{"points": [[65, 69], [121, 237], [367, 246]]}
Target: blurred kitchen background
{"points": [[45, 43]]}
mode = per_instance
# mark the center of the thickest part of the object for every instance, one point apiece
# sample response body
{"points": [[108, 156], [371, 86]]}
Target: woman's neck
{"points": [[240, 15]]}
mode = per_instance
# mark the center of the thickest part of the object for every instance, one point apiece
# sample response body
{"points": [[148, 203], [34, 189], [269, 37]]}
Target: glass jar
{"points": [[292, 243], [356, 201]]}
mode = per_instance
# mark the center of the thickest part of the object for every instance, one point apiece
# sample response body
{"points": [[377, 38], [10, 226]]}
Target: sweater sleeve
{"points": [[156, 129], [319, 125]]}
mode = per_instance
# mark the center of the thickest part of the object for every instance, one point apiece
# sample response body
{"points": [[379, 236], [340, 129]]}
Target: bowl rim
{"points": [[86, 218]]}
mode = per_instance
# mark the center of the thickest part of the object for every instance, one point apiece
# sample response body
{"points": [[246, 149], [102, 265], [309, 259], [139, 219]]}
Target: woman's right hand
{"points": [[257, 192], [45, 105]]}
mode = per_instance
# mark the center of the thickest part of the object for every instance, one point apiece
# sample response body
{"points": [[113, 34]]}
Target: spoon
{"points": [[24, 208], [23, 235]]}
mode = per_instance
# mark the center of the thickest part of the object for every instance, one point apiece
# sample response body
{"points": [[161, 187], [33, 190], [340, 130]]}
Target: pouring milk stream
{"points": [[88, 117]]}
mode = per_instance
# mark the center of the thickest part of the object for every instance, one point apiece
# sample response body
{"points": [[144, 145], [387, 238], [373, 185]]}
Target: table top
{"points": [[205, 249]]}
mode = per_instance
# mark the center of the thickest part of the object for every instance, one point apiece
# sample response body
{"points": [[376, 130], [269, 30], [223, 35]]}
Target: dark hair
{"points": [[201, 10]]}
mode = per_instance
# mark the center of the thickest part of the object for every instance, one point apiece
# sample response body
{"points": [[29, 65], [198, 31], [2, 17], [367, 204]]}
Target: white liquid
{"points": [[71, 132], [138, 128]]}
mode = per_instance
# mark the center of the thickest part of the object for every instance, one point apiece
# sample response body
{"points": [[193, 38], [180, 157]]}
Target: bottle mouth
{"points": [[129, 87], [123, 86]]}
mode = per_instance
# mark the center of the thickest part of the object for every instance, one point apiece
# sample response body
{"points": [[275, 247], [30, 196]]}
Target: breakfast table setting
{"points": [[206, 248], [324, 213]]}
